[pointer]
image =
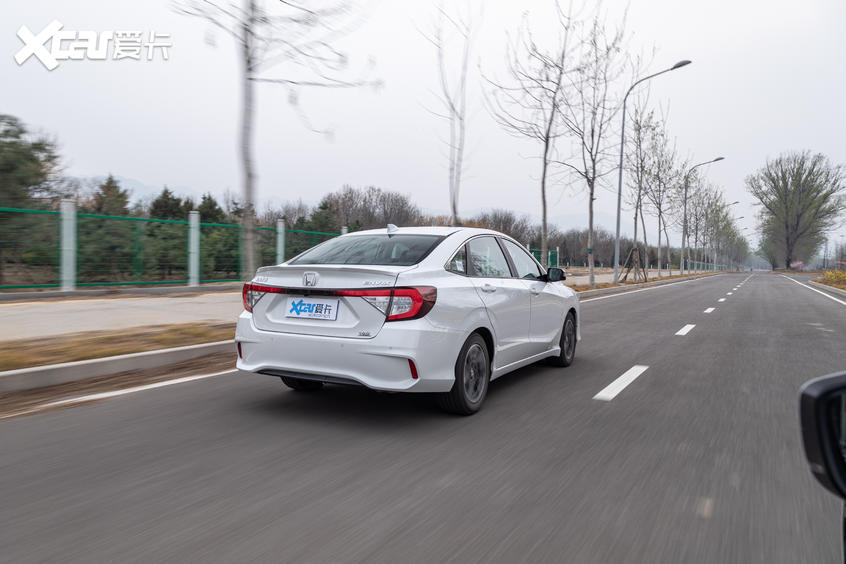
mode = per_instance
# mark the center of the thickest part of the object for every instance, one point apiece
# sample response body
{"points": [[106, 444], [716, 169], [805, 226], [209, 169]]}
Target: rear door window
{"points": [[458, 263], [486, 258]]}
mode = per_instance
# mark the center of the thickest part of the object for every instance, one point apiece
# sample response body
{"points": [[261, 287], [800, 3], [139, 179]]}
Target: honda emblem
{"points": [[310, 279]]}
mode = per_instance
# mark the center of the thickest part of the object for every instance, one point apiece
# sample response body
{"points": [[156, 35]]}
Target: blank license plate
{"points": [[312, 308]]}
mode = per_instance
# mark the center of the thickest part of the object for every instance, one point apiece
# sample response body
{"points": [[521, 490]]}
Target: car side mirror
{"points": [[822, 415], [555, 274]]}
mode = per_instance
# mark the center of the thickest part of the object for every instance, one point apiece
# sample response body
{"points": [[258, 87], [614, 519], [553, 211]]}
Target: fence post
{"points": [[280, 240], [557, 256], [344, 230], [67, 272], [193, 248]]}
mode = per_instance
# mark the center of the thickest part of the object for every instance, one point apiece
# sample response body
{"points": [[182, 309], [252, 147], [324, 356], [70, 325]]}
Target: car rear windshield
{"points": [[382, 250]]}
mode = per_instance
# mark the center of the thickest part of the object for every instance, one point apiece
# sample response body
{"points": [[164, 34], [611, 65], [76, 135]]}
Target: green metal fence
{"points": [[119, 250], [552, 256], [29, 248]]}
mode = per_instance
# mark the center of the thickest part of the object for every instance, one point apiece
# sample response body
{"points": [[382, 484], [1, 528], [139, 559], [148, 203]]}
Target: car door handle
{"points": [[488, 288], [535, 292]]}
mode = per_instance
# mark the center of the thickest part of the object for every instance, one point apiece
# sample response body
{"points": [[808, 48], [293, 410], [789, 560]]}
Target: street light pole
{"points": [[678, 65], [684, 249]]}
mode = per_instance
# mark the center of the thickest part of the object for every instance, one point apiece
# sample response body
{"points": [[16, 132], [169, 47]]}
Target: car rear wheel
{"points": [[472, 376], [301, 385], [567, 343]]}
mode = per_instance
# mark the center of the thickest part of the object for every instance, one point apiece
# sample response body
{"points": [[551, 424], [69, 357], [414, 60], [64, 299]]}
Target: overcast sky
{"points": [[768, 76]]}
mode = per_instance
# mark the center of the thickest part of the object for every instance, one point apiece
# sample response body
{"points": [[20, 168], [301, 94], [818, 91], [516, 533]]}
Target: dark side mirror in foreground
{"points": [[555, 274], [822, 415]]}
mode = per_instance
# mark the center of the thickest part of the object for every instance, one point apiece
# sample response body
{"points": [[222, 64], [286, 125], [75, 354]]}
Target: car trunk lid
{"points": [[312, 299]]}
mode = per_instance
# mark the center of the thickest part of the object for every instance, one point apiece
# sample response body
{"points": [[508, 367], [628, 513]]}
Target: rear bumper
{"points": [[380, 363]]}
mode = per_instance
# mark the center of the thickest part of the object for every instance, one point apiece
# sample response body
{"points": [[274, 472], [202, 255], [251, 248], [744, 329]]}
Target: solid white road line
{"points": [[721, 300], [709, 310], [685, 330], [610, 391], [115, 393], [829, 296]]}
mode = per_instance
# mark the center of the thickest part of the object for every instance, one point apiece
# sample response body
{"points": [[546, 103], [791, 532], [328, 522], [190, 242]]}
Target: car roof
{"points": [[441, 231]]}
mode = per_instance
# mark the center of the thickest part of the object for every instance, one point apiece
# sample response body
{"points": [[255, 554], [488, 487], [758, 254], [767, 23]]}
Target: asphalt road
{"points": [[698, 459]]}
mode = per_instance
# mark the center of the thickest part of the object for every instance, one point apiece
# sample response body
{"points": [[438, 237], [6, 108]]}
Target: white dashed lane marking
{"points": [[685, 330], [709, 310], [610, 391], [721, 300]]}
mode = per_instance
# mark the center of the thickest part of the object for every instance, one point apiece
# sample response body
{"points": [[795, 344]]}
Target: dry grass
{"points": [[99, 344], [834, 278]]}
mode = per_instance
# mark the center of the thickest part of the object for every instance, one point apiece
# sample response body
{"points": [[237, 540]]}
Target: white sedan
{"points": [[413, 309]]}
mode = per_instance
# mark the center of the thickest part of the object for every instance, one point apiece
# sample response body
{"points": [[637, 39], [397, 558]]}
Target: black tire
{"points": [[301, 385], [472, 377], [567, 342]]}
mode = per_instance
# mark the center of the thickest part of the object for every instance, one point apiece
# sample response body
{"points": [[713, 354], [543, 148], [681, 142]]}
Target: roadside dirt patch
{"points": [[98, 344]]}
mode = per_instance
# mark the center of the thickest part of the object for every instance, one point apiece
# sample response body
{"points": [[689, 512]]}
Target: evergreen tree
{"points": [[167, 206], [210, 211], [110, 199]]}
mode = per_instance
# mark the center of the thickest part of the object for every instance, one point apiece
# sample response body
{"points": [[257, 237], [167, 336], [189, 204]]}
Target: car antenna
{"points": [[392, 228]]}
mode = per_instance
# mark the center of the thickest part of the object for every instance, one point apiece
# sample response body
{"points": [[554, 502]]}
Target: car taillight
{"points": [[404, 303], [252, 293]]}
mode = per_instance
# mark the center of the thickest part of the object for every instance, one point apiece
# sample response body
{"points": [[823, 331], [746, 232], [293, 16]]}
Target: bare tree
{"points": [[643, 122], [506, 221], [660, 180], [371, 207], [588, 109], [453, 97], [697, 201], [802, 195], [284, 42], [529, 105]]}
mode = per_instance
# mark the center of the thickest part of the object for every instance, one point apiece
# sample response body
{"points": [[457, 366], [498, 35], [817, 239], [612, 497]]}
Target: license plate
{"points": [[312, 308]]}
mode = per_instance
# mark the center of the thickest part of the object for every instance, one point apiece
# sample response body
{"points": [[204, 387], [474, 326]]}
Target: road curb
{"points": [[123, 292], [632, 287], [827, 288], [40, 376]]}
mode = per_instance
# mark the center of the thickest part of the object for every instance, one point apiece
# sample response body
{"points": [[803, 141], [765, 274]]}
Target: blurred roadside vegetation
{"points": [[835, 278]]}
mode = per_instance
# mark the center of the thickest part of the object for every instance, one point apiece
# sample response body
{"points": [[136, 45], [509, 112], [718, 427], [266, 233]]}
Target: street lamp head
{"points": [[718, 159], [734, 202], [680, 64]]}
